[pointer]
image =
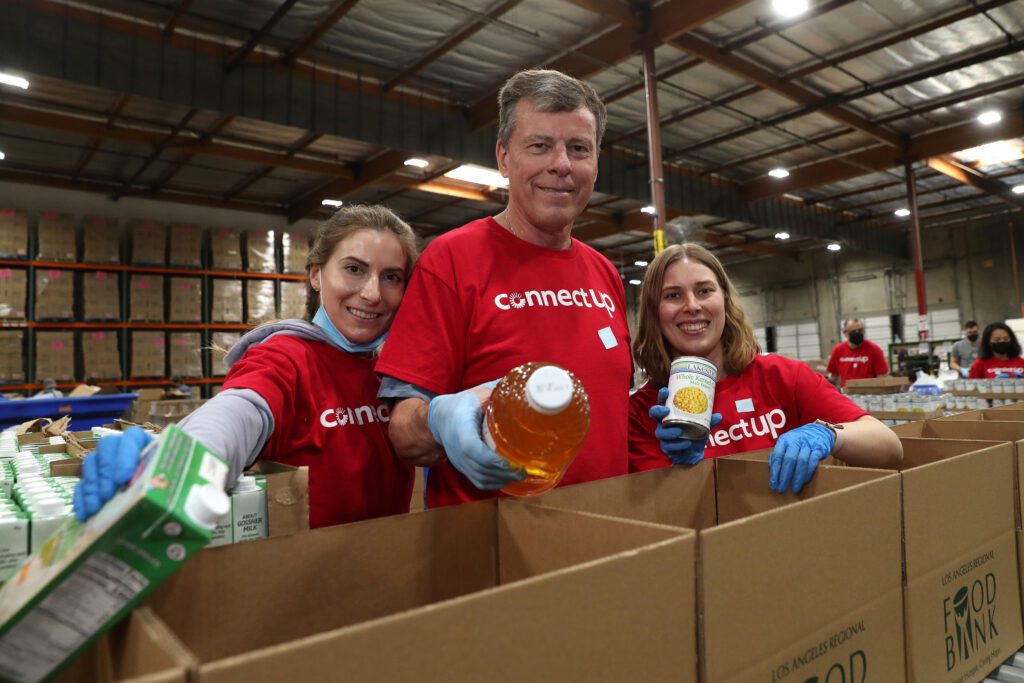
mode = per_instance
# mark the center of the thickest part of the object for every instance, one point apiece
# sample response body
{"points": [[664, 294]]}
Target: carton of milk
{"points": [[87, 577]]}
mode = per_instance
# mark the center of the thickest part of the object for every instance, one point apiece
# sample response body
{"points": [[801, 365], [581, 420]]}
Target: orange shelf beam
{"points": [[155, 270], [71, 325]]}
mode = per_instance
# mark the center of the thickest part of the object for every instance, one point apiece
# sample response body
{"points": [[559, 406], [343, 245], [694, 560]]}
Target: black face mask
{"points": [[1002, 347], [972, 337], [856, 337]]}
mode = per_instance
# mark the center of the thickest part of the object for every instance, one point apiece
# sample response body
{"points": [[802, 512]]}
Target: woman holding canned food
{"points": [[690, 312]]}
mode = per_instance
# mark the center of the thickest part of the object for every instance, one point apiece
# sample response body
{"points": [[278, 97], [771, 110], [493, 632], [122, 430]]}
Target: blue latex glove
{"points": [[796, 455], [1002, 375], [108, 468], [455, 420], [964, 372], [679, 450], [1008, 375]]}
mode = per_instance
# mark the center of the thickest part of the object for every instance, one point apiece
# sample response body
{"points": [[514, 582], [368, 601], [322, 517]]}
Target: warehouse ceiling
{"points": [[276, 105]]}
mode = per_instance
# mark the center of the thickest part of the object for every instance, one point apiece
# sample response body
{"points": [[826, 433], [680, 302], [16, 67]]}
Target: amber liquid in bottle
{"points": [[537, 425]]}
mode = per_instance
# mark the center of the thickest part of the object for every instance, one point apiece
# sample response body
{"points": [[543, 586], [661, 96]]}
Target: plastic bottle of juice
{"points": [[537, 419]]}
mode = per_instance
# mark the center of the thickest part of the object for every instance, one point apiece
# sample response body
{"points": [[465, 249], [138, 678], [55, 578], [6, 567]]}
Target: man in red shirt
{"points": [[856, 358]]}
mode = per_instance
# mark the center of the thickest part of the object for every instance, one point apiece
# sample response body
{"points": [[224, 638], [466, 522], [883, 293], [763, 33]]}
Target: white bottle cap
{"points": [[245, 484], [549, 389], [206, 504]]}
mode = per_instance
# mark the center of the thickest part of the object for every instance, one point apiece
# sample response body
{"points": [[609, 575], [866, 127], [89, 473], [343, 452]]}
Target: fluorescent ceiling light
{"points": [[833, 247], [418, 163], [1018, 189], [642, 264], [782, 235], [3, 156], [778, 173], [331, 202], [789, 8], [987, 118], [11, 79], [479, 175], [650, 210], [1000, 152], [902, 213], [634, 282]]}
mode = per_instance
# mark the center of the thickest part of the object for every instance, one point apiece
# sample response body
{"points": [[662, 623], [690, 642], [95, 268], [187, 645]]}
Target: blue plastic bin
{"points": [[86, 411]]}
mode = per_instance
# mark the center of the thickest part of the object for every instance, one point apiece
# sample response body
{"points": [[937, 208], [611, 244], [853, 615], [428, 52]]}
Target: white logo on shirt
{"points": [[340, 417], [581, 298], [854, 359], [758, 425]]}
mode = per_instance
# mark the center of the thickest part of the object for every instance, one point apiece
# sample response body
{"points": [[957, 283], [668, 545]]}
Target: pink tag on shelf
{"points": [[225, 232], [5, 273], [99, 221], [54, 274], [159, 341], [187, 286], [142, 284], [101, 276], [7, 212], [185, 227], [50, 214], [181, 341], [98, 335], [57, 345], [260, 234], [149, 226]]}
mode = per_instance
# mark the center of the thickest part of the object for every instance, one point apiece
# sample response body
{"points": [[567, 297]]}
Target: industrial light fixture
{"points": [[987, 118], [790, 8], [999, 152], [1017, 189], [12, 80], [649, 210], [634, 282], [470, 173], [782, 235], [778, 173], [3, 156], [902, 213], [833, 247], [642, 264], [331, 202], [417, 162]]}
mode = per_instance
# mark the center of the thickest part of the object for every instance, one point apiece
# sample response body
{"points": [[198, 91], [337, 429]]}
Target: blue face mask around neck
{"points": [[323, 321]]}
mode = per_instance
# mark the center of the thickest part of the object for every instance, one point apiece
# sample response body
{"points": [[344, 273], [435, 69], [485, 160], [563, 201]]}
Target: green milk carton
{"points": [[87, 577]]}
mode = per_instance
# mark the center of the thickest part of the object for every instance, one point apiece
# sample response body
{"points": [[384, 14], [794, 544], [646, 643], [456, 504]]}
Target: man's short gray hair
{"points": [[550, 92]]}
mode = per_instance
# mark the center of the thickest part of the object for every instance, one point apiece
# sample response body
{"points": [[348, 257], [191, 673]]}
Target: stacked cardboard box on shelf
{"points": [[55, 237], [294, 251], [55, 294], [226, 302], [149, 239], [13, 293], [293, 299], [259, 297], [146, 299], [13, 233], [186, 300], [186, 354], [148, 354], [259, 251], [221, 343], [101, 296], [100, 355], [186, 245], [12, 355], [101, 240], [225, 249], [55, 355]]}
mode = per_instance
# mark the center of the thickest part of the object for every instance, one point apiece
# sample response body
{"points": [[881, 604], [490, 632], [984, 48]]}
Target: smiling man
{"points": [[511, 289]]}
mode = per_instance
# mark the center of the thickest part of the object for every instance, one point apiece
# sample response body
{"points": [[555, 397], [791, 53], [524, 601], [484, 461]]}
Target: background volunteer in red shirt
{"points": [[999, 355], [502, 291], [857, 357], [304, 392], [690, 308]]}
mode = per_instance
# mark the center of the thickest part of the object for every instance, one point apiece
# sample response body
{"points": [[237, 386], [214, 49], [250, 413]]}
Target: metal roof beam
{"points": [[175, 17], [96, 142], [323, 26], [161, 146], [183, 159], [975, 179], [242, 53], [303, 142], [372, 171]]}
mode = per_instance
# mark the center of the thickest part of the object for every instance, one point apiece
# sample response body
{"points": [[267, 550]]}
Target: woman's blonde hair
{"points": [[650, 348]]}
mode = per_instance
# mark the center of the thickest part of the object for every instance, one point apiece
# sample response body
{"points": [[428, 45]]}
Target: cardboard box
{"points": [[148, 355], [13, 293], [55, 294], [101, 240], [186, 245], [225, 249], [789, 588], [259, 299], [13, 233], [186, 354], [146, 298], [101, 296], [259, 251], [294, 251], [55, 237], [149, 243], [12, 356], [100, 355], [877, 385], [100, 570], [293, 299], [226, 302], [1014, 413], [186, 300], [287, 497], [55, 355], [221, 343], [433, 596], [143, 404], [167, 411]]}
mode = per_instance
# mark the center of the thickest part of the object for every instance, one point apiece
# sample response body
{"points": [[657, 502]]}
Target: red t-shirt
{"points": [[988, 368], [481, 302], [864, 362], [327, 417], [770, 397]]}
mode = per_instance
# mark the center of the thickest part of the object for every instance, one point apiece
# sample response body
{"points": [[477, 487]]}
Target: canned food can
{"points": [[691, 396]]}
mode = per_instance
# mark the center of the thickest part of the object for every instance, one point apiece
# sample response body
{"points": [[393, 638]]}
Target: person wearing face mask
{"points": [[856, 358], [965, 351], [998, 355], [303, 392]]}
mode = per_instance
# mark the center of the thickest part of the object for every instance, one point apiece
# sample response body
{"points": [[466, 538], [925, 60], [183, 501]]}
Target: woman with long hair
{"points": [[998, 355]]}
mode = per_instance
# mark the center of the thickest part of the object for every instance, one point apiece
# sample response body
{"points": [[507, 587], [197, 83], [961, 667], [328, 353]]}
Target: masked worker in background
{"points": [[856, 358], [965, 351]]}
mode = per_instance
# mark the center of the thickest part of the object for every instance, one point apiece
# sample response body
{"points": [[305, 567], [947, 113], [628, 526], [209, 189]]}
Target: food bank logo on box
{"points": [[580, 298], [340, 417], [969, 617], [829, 666]]}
